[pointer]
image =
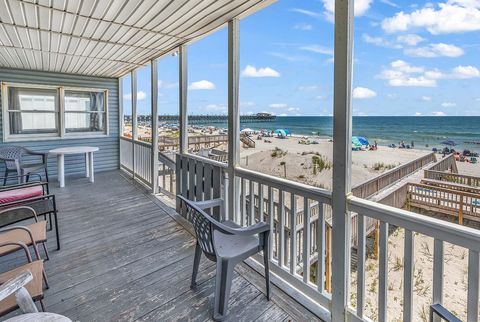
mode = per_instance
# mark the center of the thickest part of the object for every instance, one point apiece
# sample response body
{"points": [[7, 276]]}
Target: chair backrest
{"points": [[12, 152], [203, 228]]}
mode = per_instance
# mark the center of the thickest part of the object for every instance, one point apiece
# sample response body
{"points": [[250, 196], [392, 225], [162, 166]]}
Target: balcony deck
{"points": [[124, 258]]}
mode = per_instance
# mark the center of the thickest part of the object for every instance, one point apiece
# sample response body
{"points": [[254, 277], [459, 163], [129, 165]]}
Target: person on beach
{"points": [[413, 144]]}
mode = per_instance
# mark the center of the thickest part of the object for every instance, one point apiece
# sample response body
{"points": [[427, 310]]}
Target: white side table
{"points": [[60, 153]]}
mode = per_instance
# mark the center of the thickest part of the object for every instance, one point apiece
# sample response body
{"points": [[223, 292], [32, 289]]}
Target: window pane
{"points": [[31, 123], [26, 99], [84, 122], [84, 101]]}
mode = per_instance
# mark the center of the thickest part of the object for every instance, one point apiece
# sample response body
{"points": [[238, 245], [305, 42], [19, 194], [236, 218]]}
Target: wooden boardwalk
{"points": [[124, 258]]}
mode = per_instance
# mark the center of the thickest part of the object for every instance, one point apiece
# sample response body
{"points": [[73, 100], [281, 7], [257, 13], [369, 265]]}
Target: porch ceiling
{"points": [[105, 37]]}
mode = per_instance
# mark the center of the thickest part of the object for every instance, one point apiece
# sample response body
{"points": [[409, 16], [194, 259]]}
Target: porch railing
{"points": [[441, 231], [136, 158], [301, 246], [382, 181]]}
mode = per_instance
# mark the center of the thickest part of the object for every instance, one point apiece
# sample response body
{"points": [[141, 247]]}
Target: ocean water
{"points": [[426, 132]]}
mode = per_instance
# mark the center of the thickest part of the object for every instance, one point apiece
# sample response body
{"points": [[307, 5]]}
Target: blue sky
{"points": [[411, 58]]}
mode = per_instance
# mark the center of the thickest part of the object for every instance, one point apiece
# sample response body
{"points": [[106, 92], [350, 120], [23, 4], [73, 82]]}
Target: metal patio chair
{"points": [[32, 194], [16, 290], [35, 287], [227, 244], [13, 156]]}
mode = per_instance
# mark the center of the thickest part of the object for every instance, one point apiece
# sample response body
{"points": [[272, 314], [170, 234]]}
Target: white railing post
{"points": [[121, 118], [233, 195], [134, 119], [342, 136], [154, 124], [183, 88]]}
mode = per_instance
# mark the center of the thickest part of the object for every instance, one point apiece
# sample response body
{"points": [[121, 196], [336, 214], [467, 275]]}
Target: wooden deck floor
{"points": [[124, 258]]}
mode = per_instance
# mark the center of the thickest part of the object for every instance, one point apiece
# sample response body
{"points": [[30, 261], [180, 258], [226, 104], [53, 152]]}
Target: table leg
{"points": [[61, 170], [87, 166], [90, 161]]}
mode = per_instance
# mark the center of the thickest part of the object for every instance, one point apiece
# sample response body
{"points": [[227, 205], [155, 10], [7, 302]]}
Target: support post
{"points": [[121, 117], [134, 119], [154, 113], [183, 88], [342, 154], [233, 118]]}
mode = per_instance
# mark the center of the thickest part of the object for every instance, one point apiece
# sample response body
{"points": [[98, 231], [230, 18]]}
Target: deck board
{"points": [[124, 258]]}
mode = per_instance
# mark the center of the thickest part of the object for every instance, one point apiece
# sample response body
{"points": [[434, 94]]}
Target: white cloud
{"points": [[402, 74], [252, 71], [452, 16], [308, 13], [303, 26], [426, 98], [278, 105], [293, 109], [435, 50], [203, 84], [390, 3], [439, 113], [418, 114], [318, 49], [141, 95], [360, 7], [363, 93], [379, 41], [449, 104], [410, 39], [405, 67], [466, 72]]}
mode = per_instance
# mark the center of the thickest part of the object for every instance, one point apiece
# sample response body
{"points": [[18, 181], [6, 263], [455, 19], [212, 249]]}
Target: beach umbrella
{"points": [[287, 131], [449, 142], [247, 130], [363, 140], [356, 142], [281, 132]]}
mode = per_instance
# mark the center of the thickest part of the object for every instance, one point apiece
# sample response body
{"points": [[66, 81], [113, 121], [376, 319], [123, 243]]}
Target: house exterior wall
{"points": [[107, 158]]}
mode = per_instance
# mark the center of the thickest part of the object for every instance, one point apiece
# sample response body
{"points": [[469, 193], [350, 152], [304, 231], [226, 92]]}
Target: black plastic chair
{"points": [[227, 244], [13, 158]]}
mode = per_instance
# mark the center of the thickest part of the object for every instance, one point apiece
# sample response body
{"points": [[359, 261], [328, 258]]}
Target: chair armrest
{"points": [[258, 228], [36, 153], [209, 203], [28, 231], [6, 159], [19, 243], [13, 285]]}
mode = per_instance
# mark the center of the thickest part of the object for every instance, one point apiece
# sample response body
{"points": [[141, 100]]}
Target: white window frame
{"points": [[61, 133]]}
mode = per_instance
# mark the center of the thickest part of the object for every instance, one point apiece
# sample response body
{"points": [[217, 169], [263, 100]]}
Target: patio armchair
{"points": [[32, 194], [18, 286], [31, 235], [227, 244], [34, 287], [13, 157]]}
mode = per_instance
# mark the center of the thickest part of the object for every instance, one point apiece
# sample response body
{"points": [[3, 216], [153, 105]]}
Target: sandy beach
{"points": [[297, 158]]}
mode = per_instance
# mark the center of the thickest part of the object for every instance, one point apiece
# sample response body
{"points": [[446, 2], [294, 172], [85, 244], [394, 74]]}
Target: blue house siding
{"points": [[108, 156]]}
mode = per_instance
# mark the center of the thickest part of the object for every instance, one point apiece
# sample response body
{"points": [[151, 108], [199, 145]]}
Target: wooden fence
{"points": [[456, 203], [376, 184]]}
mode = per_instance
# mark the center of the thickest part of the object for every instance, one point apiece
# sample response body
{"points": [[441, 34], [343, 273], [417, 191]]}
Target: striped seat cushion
{"points": [[20, 194]]}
